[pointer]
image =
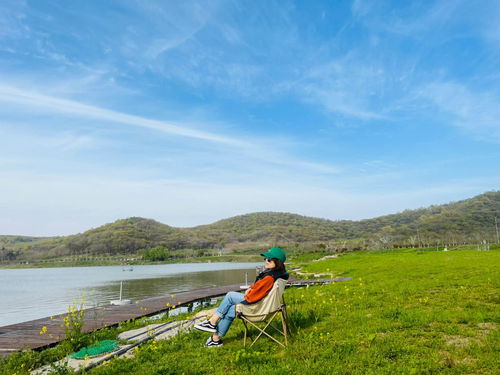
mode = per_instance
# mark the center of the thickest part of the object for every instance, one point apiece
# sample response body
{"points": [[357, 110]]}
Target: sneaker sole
{"points": [[205, 329], [213, 346]]}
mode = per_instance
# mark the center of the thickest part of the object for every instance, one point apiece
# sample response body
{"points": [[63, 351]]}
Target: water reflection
{"points": [[171, 284], [28, 294]]}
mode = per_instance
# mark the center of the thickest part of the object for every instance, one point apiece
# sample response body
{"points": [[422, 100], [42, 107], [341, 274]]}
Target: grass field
{"points": [[404, 312]]}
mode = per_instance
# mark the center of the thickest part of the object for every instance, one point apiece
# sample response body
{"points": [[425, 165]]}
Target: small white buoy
{"points": [[119, 302]]}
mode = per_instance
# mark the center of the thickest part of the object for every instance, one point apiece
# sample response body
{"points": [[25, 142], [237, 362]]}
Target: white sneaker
{"points": [[211, 343], [206, 326]]}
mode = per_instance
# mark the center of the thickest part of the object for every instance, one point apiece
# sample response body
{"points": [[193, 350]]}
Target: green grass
{"points": [[22, 362], [404, 312]]}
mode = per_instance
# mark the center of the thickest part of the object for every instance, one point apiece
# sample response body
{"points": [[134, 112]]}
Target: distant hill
{"points": [[10, 245], [468, 221], [460, 221]]}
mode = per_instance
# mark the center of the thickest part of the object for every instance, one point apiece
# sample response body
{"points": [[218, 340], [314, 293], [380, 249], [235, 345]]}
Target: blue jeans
{"points": [[227, 312]]}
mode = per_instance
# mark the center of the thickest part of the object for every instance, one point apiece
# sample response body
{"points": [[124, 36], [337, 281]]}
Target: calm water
{"points": [[27, 294]]}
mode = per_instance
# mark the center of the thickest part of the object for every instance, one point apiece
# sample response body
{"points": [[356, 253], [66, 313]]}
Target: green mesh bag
{"points": [[95, 350]]}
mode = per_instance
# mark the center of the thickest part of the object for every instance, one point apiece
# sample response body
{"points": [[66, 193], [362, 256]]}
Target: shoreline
{"points": [[27, 334], [38, 292], [46, 332], [69, 264]]}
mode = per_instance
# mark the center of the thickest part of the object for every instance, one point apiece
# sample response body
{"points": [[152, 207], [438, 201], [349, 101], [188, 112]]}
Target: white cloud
{"points": [[164, 28], [408, 18], [245, 154], [12, 18], [432, 18], [164, 43], [478, 113], [346, 86], [33, 99], [69, 142]]}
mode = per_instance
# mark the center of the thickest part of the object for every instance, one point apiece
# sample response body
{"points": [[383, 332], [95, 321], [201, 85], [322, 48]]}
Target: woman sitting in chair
{"points": [[219, 323]]}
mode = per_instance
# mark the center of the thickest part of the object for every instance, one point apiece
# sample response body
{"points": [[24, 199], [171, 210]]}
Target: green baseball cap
{"points": [[275, 252]]}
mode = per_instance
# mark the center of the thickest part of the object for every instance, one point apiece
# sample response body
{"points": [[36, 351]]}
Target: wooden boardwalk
{"points": [[27, 335]]}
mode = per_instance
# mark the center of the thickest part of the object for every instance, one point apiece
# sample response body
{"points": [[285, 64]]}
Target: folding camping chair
{"points": [[265, 311]]}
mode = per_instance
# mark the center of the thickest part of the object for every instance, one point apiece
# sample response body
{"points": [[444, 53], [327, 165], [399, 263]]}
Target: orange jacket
{"points": [[260, 289], [263, 285]]}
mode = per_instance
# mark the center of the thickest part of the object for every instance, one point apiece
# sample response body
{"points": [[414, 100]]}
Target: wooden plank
{"points": [[27, 335]]}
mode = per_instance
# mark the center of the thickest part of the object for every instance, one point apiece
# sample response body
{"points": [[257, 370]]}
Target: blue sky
{"points": [[188, 112]]}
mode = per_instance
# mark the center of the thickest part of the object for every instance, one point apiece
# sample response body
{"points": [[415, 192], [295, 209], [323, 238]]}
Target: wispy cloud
{"points": [[433, 23], [430, 19], [70, 142], [345, 86], [409, 19], [33, 99], [478, 113], [170, 27], [12, 18], [248, 155]]}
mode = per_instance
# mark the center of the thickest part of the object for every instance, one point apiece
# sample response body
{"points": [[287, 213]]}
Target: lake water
{"points": [[27, 294]]}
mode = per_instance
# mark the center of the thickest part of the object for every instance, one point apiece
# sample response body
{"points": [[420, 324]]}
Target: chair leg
{"points": [[285, 327], [262, 331], [283, 322], [245, 333], [268, 335], [285, 317]]}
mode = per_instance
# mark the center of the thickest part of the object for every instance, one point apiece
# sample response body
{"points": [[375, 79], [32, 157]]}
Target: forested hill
{"points": [[457, 221], [467, 221]]}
